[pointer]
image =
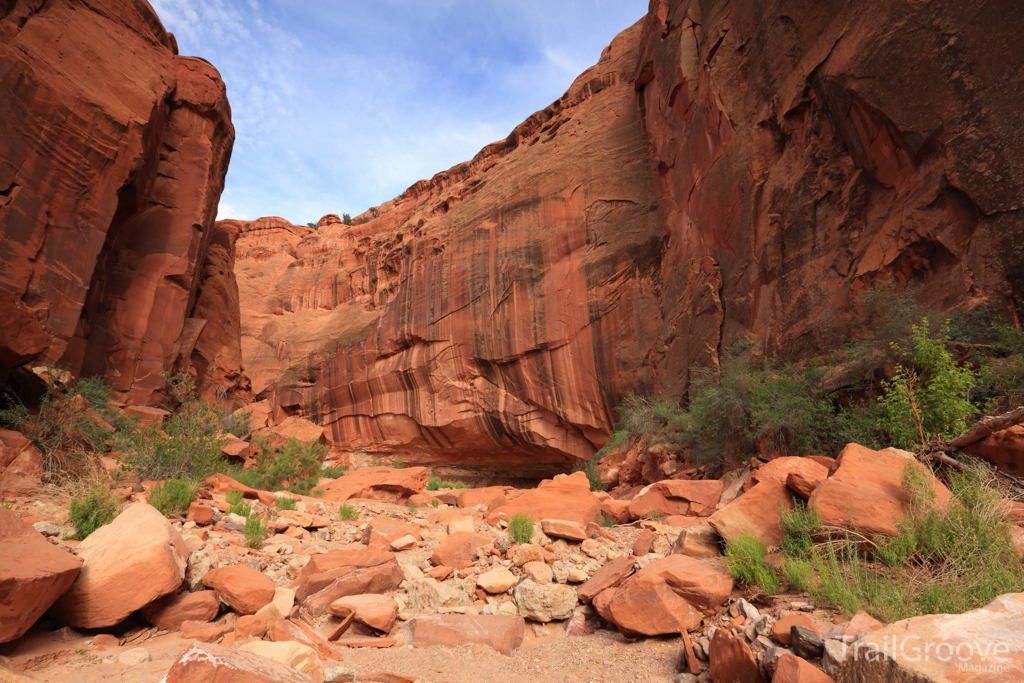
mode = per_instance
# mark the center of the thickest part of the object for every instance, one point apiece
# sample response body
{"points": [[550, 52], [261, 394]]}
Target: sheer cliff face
{"points": [[806, 150], [727, 171], [112, 162], [489, 316]]}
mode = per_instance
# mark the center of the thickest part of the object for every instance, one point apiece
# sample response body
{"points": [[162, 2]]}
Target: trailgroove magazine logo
{"points": [[969, 656]]}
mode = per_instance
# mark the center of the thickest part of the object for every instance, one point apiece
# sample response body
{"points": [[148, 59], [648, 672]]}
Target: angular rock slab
{"points": [[170, 611], [864, 489], [333, 575], [544, 602], [608, 576], [756, 512], [731, 659], [376, 611], [458, 547], [501, 632], [377, 483], [677, 497], [568, 497], [291, 653], [33, 574], [208, 663], [792, 669], [667, 595], [129, 563], [21, 465], [983, 645], [243, 588]]}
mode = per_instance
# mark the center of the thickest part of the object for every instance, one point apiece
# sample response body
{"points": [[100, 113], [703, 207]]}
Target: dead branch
{"points": [[985, 427]]}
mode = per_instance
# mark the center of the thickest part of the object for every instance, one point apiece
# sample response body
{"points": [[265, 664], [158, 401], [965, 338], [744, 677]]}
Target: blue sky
{"points": [[340, 105]]}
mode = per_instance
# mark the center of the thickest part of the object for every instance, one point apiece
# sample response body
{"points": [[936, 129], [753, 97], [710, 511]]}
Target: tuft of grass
{"points": [[433, 484], [607, 521], [398, 464], [520, 528], [319, 493], [799, 526], [435, 502], [173, 496], [799, 573], [233, 497], [654, 516], [285, 503], [348, 513], [254, 531], [7, 505], [92, 509], [745, 560], [333, 472]]}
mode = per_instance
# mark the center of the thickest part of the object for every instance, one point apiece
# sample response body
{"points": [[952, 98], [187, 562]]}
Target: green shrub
{"points": [[92, 509], [520, 528], [285, 503], [398, 464], [318, 493], [293, 466], [940, 562], [798, 572], [236, 424], [64, 428], [654, 516], [590, 469], [173, 496], [188, 446], [435, 502], [433, 484], [348, 513], [745, 560], [254, 531], [607, 521], [929, 399], [233, 497], [240, 509], [333, 472]]}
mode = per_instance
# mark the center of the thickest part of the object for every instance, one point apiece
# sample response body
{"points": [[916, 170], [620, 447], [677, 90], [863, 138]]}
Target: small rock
{"points": [[791, 669], [781, 628], [298, 656], [136, 655], [561, 528], [539, 572], [496, 581], [594, 549], [771, 658], [47, 528], [746, 609], [336, 673], [805, 642], [404, 543], [527, 552], [577, 576], [833, 657], [461, 523]]}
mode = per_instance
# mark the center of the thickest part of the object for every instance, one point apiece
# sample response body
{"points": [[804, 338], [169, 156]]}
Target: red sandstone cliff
{"points": [[727, 170], [112, 161]]}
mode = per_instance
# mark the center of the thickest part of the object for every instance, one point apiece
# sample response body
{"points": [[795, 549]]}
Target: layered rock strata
{"points": [[726, 171], [112, 163]]}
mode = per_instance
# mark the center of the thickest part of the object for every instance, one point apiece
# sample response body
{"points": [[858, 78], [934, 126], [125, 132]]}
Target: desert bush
{"points": [[520, 528], [292, 466], [928, 399], [347, 512], [745, 560], [187, 447], [254, 531], [236, 424], [940, 561], [92, 509], [64, 428], [173, 496], [333, 472], [799, 526], [233, 497], [434, 483], [285, 503]]}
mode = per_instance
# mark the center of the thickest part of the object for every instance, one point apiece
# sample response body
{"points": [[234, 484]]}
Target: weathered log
{"points": [[985, 427]]}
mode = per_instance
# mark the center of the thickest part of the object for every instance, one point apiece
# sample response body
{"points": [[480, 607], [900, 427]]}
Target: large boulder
{"points": [[985, 644], [677, 497], [1003, 449], [170, 611], [245, 589], [865, 490], [806, 468], [21, 465], [381, 531], [668, 596], [756, 512], [208, 663], [610, 575], [731, 660], [333, 575], [33, 574], [291, 653], [388, 484], [501, 632], [544, 602], [129, 563], [564, 497], [376, 611], [458, 547]]}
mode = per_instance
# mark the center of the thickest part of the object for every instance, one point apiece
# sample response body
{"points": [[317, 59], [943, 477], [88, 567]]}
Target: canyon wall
{"points": [[112, 161], [726, 171]]}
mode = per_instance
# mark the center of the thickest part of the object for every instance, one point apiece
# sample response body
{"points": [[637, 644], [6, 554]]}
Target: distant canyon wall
{"points": [[112, 161], [726, 171]]}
